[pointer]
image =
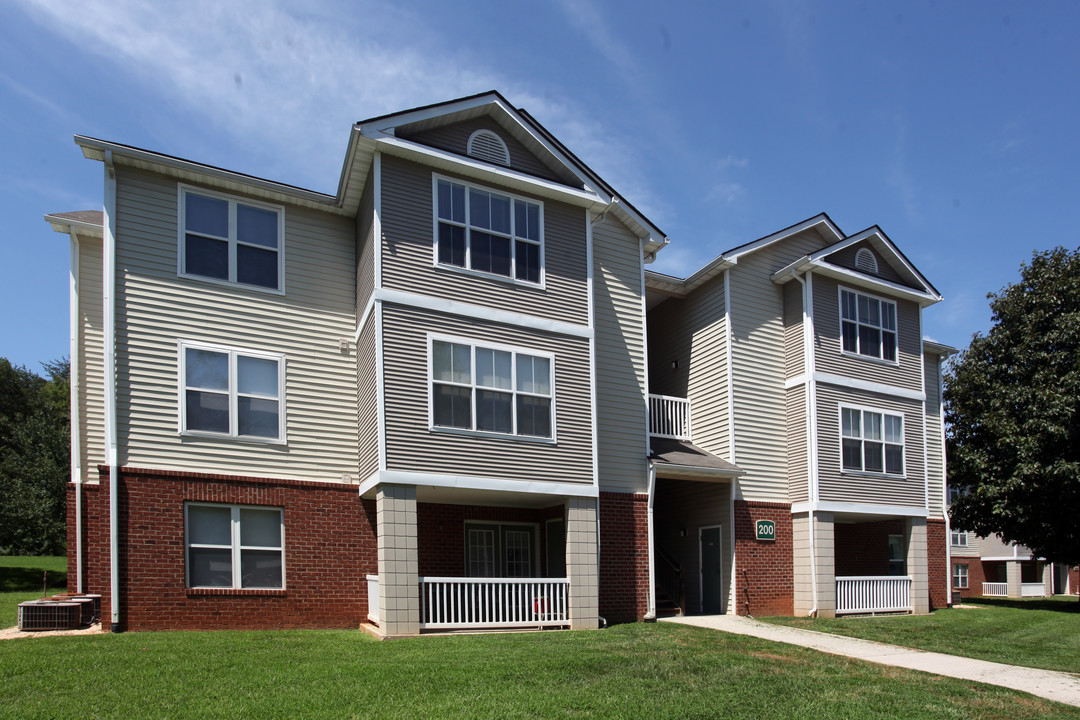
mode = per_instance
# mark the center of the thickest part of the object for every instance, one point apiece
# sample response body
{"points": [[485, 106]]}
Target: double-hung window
{"points": [[872, 441], [499, 550], [234, 546], [960, 576], [488, 232], [959, 538], [492, 389], [231, 393], [230, 240], [868, 325]]}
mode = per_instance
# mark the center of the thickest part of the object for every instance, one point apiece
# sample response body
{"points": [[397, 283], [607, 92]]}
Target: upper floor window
{"points": [[231, 393], [959, 538], [234, 546], [228, 240], [872, 441], [868, 325], [488, 232], [492, 389]]}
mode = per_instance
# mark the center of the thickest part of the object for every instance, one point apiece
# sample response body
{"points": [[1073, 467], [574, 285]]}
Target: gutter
{"points": [[650, 610], [109, 300]]}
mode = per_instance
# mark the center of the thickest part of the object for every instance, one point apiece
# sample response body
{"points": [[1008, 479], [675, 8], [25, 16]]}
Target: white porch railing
{"points": [[669, 417], [461, 603], [1036, 589], [995, 589], [866, 594], [373, 598]]}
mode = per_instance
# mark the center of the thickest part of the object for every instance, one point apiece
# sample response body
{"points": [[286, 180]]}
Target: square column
{"points": [[399, 590], [917, 565], [821, 572], [1014, 578], [581, 559]]}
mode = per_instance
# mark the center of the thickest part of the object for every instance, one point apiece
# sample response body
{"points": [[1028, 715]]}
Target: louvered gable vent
{"points": [[866, 261], [486, 145]]}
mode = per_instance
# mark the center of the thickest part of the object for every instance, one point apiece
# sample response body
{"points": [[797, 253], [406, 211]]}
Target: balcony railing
{"points": [[448, 603], [373, 598], [995, 589], [869, 594], [669, 417]]}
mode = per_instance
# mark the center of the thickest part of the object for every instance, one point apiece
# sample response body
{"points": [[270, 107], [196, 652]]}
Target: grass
{"points": [[1038, 632], [21, 580], [628, 671]]}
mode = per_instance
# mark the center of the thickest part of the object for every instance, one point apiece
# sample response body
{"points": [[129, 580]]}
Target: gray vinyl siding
{"points": [[829, 358], [620, 358], [759, 367], [408, 255], [690, 505], [367, 398], [155, 309], [798, 466], [845, 258], [91, 358], [365, 247], [412, 446], [455, 138], [691, 333], [835, 486], [794, 352], [934, 451]]}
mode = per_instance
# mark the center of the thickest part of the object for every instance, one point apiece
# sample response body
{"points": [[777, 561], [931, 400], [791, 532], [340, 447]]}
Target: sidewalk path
{"points": [[1050, 684]]}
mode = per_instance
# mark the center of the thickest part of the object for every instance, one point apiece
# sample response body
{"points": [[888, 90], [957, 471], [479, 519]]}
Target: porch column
{"points": [[917, 565], [1048, 579], [824, 564], [399, 592], [581, 556], [1013, 576]]}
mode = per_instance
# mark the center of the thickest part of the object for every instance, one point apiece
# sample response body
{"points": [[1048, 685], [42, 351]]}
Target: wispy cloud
{"points": [[899, 171], [727, 193]]}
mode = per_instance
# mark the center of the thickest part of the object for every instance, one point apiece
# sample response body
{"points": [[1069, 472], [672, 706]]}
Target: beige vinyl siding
{"points": [[994, 546], [845, 258], [155, 309], [934, 451], [690, 505], [413, 447], [455, 138], [798, 466], [365, 247], [794, 345], [620, 358], [367, 398], [690, 333], [829, 358], [971, 550], [759, 368], [836, 486], [91, 358], [408, 253]]}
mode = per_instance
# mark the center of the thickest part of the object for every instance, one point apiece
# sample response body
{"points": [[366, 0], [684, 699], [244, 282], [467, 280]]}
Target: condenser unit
{"points": [[49, 615]]}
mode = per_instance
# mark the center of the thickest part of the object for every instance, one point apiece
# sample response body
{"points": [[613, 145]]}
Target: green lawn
{"points": [[21, 580], [628, 671], [1040, 632]]}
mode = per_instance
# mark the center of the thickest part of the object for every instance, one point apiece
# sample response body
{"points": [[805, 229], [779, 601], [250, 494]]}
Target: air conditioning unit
{"points": [[91, 604], [49, 615]]}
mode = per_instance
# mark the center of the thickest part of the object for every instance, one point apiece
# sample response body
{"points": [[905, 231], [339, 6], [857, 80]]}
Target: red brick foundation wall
{"points": [[938, 571], [976, 576], [624, 556], [863, 548], [1074, 581], [330, 548], [763, 570]]}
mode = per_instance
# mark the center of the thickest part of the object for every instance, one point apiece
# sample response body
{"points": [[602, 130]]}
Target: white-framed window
{"points": [[871, 441], [959, 538], [234, 546], [867, 325], [227, 392], [230, 240], [489, 232], [491, 389], [960, 576], [506, 550]]}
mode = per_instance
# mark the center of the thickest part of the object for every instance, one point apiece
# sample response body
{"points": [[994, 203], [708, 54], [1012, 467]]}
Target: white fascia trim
{"points": [[490, 173], [592, 347], [68, 226], [466, 482], [478, 312], [1005, 558], [859, 509], [786, 233], [874, 232], [670, 469], [868, 386], [826, 268]]}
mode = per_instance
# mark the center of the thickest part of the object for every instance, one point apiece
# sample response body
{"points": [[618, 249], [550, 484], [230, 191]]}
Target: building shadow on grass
{"points": [[1066, 604]]}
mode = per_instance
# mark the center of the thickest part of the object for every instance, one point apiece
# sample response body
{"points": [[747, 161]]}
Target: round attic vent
{"points": [[866, 261], [486, 145]]}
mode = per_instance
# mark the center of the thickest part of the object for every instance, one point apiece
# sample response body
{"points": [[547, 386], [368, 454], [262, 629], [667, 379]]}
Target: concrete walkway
{"points": [[1050, 684]]}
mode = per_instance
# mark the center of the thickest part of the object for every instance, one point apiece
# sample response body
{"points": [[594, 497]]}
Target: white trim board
{"points": [[859, 509], [465, 482]]}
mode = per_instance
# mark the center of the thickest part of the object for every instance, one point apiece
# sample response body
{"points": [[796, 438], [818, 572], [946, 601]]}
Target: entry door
{"points": [[712, 571]]}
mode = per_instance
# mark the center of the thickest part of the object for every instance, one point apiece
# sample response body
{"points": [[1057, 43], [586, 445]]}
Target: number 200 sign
{"points": [[765, 530]]}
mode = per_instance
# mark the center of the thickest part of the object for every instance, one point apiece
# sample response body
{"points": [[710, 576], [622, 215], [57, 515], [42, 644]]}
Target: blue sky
{"points": [[952, 125]]}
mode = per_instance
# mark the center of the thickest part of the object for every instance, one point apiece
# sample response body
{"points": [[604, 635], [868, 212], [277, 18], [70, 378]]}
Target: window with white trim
{"points": [[492, 389], [872, 441], [960, 576], [230, 240], [868, 325], [494, 550], [234, 546], [231, 393], [488, 232], [959, 538]]}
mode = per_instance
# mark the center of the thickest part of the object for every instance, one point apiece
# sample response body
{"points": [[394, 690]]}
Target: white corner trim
{"points": [[730, 370], [859, 509], [592, 348], [467, 482], [645, 349], [380, 385], [478, 312], [868, 386]]}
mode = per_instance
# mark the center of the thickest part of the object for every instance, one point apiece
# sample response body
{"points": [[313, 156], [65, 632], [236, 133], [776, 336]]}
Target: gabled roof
{"points": [[84, 222]]}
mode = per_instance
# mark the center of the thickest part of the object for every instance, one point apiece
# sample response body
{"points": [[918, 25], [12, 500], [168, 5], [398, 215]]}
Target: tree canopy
{"points": [[1012, 404], [34, 458]]}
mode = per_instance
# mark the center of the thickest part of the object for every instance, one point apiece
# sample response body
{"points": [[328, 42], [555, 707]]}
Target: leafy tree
{"points": [[1012, 404], [34, 458]]}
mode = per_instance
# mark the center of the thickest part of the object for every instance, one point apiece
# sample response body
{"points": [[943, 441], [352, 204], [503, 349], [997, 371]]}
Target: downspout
{"points": [[650, 611], [109, 300], [74, 386], [944, 480], [811, 436]]}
